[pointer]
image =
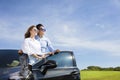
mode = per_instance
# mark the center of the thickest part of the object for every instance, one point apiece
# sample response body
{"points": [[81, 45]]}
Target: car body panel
{"points": [[60, 74], [66, 67]]}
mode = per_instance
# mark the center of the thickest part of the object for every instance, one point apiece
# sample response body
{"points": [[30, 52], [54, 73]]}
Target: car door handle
{"points": [[75, 72]]}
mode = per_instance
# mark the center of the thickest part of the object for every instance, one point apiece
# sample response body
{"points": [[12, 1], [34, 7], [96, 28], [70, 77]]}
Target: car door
{"points": [[66, 67], [9, 63]]}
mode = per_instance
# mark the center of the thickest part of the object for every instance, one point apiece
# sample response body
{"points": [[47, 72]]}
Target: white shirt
{"points": [[31, 46]]}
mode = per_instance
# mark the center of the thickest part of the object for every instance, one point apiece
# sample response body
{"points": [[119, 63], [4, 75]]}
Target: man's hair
{"points": [[38, 26]]}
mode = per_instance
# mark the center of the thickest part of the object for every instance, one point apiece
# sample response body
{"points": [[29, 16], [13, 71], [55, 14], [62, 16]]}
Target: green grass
{"points": [[100, 75]]}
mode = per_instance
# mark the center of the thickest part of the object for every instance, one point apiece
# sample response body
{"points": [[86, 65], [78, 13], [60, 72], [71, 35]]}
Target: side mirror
{"points": [[50, 64]]}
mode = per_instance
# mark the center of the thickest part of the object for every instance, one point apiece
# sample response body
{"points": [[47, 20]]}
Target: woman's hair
{"points": [[27, 34]]}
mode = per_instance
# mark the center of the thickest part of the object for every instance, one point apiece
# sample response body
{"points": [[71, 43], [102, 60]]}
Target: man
{"points": [[44, 41]]}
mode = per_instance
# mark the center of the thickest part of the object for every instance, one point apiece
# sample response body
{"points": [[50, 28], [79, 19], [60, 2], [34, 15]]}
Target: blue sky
{"points": [[90, 28]]}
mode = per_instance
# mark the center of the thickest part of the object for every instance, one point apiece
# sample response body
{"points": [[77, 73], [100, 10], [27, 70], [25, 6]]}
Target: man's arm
{"points": [[51, 49]]}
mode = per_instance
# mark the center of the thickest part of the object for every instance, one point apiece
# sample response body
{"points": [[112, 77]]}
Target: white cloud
{"points": [[100, 25], [71, 37], [111, 47], [68, 29], [10, 32], [116, 3]]}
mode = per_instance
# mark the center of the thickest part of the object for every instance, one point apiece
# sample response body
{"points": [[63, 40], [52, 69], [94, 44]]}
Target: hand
{"points": [[39, 57], [44, 56], [57, 50], [51, 53], [20, 52]]}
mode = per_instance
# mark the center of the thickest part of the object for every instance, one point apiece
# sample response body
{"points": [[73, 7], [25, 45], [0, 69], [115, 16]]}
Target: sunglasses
{"points": [[42, 29]]}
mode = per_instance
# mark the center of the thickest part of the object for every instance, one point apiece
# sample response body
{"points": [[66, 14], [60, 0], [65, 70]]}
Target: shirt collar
{"points": [[37, 37]]}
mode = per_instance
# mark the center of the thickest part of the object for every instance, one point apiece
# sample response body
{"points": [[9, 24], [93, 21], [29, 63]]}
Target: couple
{"points": [[36, 44]]}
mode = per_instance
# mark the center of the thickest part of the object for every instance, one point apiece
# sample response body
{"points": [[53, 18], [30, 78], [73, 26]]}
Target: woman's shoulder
{"points": [[26, 39]]}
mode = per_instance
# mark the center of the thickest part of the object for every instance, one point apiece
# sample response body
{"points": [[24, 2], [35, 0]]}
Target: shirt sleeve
{"points": [[26, 48], [49, 45]]}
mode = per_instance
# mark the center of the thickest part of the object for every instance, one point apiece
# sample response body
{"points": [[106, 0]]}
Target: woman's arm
{"points": [[26, 47], [36, 56]]}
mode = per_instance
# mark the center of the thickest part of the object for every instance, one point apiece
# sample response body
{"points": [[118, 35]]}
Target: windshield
{"points": [[9, 58], [63, 59]]}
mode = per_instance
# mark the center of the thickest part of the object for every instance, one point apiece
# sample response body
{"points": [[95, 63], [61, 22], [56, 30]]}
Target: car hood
{"points": [[5, 72]]}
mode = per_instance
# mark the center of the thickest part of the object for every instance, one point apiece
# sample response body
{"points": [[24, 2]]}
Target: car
{"points": [[60, 66]]}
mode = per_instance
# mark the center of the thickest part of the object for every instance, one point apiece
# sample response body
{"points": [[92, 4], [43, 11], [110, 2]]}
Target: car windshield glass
{"points": [[63, 59], [8, 58]]}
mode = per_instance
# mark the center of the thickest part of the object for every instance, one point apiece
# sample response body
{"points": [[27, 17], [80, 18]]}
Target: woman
{"points": [[31, 46]]}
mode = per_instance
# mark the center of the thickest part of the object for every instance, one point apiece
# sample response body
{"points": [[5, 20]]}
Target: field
{"points": [[100, 75]]}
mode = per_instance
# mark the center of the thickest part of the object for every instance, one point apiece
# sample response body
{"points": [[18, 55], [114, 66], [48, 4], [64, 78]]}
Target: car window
{"points": [[63, 59], [8, 58]]}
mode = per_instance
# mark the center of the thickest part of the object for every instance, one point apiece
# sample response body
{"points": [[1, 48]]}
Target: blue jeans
{"points": [[24, 64]]}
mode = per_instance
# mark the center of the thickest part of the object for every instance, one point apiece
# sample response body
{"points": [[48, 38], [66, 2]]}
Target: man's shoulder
{"points": [[46, 38], [43, 38]]}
